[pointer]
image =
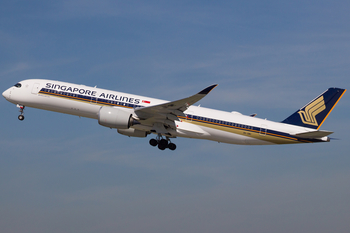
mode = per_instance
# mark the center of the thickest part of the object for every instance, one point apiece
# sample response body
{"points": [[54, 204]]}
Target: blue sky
{"points": [[61, 173]]}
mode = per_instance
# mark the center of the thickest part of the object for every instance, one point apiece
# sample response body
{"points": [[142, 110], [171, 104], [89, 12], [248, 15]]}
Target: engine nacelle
{"points": [[133, 132], [115, 118]]}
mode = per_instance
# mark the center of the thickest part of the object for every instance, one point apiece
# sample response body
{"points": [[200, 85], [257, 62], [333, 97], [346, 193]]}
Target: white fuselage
{"points": [[198, 122]]}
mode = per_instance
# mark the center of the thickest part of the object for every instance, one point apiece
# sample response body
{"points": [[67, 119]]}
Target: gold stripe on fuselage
{"points": [[247, 131], [244, 131]]}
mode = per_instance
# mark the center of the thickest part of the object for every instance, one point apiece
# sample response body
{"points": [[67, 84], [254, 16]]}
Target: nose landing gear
{"points": [[21, 110], [162, 143]]}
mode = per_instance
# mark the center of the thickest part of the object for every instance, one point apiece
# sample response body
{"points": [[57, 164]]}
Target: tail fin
{"points": [[315, 113]]}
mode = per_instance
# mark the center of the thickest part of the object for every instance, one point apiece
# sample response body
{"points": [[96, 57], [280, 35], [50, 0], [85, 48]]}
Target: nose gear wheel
{"points": [[21, 110]]}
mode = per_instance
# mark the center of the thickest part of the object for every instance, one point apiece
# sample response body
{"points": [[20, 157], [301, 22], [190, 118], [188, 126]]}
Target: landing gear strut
{"points": [[21, 110], [162, 143]]}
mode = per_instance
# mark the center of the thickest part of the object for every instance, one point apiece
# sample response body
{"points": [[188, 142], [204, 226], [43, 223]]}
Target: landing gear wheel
{"points": [[153, 142], [161, 147], [164, 143], [172, 146], [21, 110]]}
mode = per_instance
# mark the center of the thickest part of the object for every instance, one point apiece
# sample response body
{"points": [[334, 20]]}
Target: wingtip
{"points": [[208, 89]]}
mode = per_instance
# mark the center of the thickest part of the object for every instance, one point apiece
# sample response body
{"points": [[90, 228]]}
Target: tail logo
{"points": [[308, 116]]}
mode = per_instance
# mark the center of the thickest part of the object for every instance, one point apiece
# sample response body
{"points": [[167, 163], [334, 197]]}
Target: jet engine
{"points": [[115, 118]]}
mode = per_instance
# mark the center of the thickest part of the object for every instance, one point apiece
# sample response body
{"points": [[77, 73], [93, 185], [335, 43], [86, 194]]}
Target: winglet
{"points": [[207, 90]]}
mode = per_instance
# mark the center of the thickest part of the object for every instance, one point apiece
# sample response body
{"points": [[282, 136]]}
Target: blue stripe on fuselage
{"points": [[207, 121]]}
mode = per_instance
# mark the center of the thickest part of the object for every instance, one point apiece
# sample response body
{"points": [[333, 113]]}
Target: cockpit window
{"points": [[18, 85]]}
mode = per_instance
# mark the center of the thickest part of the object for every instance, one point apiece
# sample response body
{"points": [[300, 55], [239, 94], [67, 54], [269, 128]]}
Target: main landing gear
{"points": [[21, 110], [162, 143]]}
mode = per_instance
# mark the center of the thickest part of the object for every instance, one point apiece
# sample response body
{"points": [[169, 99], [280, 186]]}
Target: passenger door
{"points": [[35, 89]]}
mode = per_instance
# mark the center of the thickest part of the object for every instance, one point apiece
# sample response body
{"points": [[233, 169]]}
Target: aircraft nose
{"points": [[6, 94]]}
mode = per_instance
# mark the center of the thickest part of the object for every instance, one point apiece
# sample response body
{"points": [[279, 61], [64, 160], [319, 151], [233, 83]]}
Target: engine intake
{"points": [[115, 118]]}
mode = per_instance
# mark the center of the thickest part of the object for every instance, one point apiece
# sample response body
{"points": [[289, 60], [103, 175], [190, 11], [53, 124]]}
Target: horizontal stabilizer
{"points": [[314, 134]]}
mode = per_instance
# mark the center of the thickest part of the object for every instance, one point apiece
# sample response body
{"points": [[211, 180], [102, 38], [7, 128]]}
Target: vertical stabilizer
{"points": [[315, 113]]}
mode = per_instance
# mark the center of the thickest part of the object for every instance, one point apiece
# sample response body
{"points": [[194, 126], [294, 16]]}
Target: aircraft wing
{"points": [[163, 116]]}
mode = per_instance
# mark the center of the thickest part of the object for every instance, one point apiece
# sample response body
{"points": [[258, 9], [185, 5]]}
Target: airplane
{"points": [[139, 116]]}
